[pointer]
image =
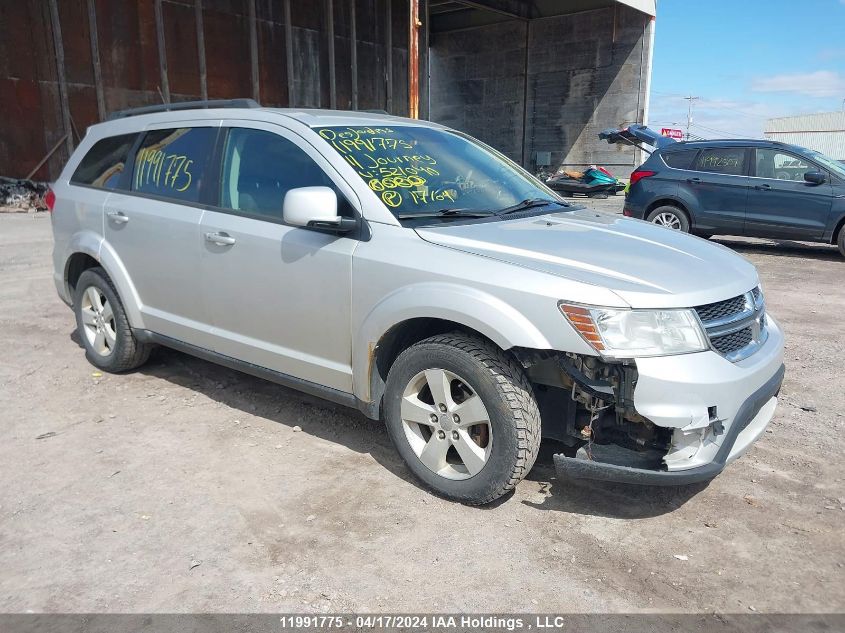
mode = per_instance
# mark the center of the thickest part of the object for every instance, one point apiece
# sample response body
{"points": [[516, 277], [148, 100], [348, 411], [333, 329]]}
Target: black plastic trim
{"points": [[286, 380], [184, 105], [584, 469]]}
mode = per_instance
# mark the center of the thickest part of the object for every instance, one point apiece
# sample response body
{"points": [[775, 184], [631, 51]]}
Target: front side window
{"points": [[103, 165], [172, 163], [772, 163], [722, 160], [260, 167], [835, 166], [419, 171]]}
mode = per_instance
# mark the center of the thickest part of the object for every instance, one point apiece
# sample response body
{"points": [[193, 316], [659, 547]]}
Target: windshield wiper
{"points": [[445, 213], [528, 203]]}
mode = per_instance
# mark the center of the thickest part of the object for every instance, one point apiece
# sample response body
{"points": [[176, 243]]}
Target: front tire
{"points": [[670, 217], [840, 242], [463, 417], [102, 325]]}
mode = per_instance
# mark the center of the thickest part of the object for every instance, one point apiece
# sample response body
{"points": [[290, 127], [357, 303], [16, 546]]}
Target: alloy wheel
{"points": [[669, 220], [446, 424], [98, 321]]}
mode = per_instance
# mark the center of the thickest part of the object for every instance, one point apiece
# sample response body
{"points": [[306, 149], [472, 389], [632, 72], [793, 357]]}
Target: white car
{"points": [[410, 271]]}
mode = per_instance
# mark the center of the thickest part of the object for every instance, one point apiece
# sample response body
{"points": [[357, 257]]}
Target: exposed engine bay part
{"points": [[586, 402]]}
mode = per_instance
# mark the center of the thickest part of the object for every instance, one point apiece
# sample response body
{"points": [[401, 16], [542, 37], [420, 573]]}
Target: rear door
{"points": [[716, 188], [279, 296], [154, 227], [781, 203]]}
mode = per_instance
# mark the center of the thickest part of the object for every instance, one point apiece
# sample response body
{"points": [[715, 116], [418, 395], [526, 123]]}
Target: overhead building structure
{"points": [[537, 79]]}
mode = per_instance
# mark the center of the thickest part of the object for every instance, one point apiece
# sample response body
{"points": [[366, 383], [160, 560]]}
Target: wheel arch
{"points": [[840, 226], [84, 252], [670, 202], [400, 321]]}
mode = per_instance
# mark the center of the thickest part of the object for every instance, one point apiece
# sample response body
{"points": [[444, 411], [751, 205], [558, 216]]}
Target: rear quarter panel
{"points": [[646, 191]]}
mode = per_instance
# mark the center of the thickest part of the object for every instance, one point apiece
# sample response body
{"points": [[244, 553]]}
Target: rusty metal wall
{"points": [[40, 37]]}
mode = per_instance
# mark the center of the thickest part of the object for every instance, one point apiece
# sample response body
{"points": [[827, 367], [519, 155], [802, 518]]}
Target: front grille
{"points": [[736, 327], [733, 342], [721, 309]]}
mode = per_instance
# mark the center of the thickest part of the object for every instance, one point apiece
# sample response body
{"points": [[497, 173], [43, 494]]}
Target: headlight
{"points": [[632, 333]]}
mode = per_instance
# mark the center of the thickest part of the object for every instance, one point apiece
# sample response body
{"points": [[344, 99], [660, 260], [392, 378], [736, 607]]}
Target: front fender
{"points": [[499, 321]]}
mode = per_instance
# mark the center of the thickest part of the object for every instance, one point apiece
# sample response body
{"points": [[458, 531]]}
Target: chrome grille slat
{"points": [[721, 309], [733, 342], [736, 327]]}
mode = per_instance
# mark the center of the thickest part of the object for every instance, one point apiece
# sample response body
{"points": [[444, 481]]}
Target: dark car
{"points": [[737, 187]]}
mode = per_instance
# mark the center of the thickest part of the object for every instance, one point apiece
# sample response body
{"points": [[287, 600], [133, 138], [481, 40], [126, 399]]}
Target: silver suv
{"points": [[409, 271]]}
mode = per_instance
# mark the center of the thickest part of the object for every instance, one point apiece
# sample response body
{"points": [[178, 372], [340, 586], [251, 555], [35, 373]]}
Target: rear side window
{"points": [[173, 163], [722, 160], [103, 165], [679, 160]]}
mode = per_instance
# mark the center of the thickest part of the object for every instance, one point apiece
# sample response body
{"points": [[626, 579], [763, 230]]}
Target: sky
{"points": [[747, 61]]}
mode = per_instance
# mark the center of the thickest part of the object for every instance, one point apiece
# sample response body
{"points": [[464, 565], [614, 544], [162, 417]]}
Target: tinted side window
{"points": [[172, 163], [679, 160], [772, 163], [103, 165], [260, 167], [722, 160]]}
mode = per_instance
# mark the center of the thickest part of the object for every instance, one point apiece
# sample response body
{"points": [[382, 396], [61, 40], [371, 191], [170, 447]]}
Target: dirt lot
{"points": [[188, 487]]}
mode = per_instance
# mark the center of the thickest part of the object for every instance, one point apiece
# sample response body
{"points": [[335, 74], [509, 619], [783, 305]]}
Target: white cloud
{"points": [[713, 118], [821, 83]]}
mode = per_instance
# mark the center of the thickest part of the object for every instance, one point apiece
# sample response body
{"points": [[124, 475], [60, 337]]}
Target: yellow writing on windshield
{"points": [[390, 165]]}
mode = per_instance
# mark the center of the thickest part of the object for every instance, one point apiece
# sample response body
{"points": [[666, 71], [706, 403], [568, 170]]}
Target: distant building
{"points": [[823, 132]]}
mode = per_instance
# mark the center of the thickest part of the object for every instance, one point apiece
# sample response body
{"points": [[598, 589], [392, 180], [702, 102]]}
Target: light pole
{"points": [[689, 112]]}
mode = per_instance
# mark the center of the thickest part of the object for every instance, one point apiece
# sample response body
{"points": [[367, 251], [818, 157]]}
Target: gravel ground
{"points": [[188, 487]]}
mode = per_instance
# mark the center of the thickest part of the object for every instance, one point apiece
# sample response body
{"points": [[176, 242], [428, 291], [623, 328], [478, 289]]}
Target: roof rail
{"points": [[184, 105]]}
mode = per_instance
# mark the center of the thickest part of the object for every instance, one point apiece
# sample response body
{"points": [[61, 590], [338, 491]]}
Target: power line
{"points": [[690, 98], [714, 105], [718, 131]]}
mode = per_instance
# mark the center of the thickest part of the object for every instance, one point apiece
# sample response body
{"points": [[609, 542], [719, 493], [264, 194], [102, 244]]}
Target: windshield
{"points": [[835, 166], [424, 172]]}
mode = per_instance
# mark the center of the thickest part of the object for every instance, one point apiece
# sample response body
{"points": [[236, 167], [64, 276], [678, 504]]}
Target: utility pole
{"points": [[689, 112]]}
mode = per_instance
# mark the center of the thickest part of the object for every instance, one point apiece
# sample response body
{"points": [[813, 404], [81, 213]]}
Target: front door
{"points": [[279, 296], [719, 186], [781, 203], [154, 229]]}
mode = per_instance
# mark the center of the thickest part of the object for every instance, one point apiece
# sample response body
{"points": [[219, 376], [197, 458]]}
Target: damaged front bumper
{"points": [[704, 399]]}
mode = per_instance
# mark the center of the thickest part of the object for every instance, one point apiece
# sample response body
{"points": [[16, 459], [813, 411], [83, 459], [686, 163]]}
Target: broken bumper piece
{"points": [[748, 424]]}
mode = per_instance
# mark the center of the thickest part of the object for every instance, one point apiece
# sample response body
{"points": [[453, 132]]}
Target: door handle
{"points": [[694, 181], [221, 239], [119, 217], [762, 187]]}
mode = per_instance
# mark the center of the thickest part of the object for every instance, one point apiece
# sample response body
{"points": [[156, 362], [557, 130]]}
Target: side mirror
{"points": [[315, 208], [814, 177]]}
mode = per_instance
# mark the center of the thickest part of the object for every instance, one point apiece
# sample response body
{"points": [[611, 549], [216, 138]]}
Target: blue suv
{"points": [[737, 187]]}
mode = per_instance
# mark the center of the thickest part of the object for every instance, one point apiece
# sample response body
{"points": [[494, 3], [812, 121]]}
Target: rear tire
{"points": [[485, 438], [840, 242], [671, 217], [102, 325]]}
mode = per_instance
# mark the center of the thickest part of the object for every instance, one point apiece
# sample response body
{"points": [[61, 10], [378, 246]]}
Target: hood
{"points": [[648, 266]]}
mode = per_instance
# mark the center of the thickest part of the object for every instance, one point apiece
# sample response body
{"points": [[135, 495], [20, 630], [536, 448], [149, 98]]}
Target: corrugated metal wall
{"points": [[547, 85], [824, 132], [42, 93]]}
